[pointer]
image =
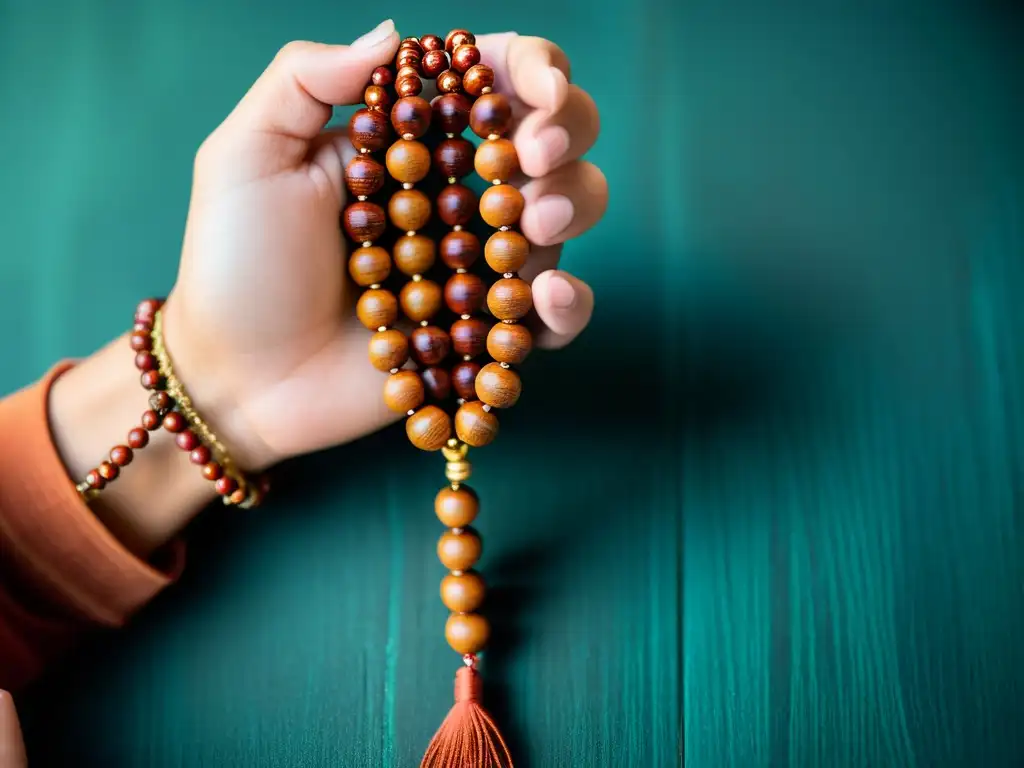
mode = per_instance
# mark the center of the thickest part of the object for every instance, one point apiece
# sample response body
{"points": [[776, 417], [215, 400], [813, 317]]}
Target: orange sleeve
{"points": [[61, 572]]}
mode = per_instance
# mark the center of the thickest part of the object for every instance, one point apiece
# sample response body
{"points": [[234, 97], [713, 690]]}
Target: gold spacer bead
{"points": [[410, 412], [506, 366], [460, 271], [485, 89], [406, 185], [424, 323], [375, 286], [464, 317], [452, 180], [457, 471], [457, 228], [505, 229], [393, 370], [361, 198], [411, 232], [493, 137], [408, 136], [381, 328], [497, 182], [509, 275], [364, 151], [367, 243], [450, 135], [467, 358], [455, 451], [417, 278]]}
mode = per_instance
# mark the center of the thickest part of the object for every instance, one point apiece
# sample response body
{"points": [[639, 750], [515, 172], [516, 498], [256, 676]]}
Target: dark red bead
{"points": [[151, 379], [369, 129], [142, 327], [458, 37], [408, 86], [432, 43], [434, 63], [200, 455], [213, 471], [430, 345], [147, 309], [138, 438], [145, 361], [451, 112], [411, 116], [364, 222], [108, 471], [161, 402], [469, 336], [464, 57], [456, 205], [186, 440], [95, 479], [225, 486], [175, 422], [382, 76], [150, 421], [437, 382], [454, 157], [141, 340], [459, 250], [464, 293], [364, 175], [121, 455], [464, 379]]}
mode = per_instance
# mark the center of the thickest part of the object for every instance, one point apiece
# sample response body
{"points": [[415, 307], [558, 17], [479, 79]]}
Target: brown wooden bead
{"points": [[225, 486], [187, 440], [496, 160], [150, 421], [469, 336], [438, 383], [429, 428], [403, 391], [501, 206], [409, 209], [464, 57], [454, 157], [368, 129], [147, 309], [460, 250], [411, 43], [370, 265], [376, 97], [388, 350], [509, 343], [510, 298], [174, 422], [161, 402], [108, 470], [498, 387], [140, 340], [237, 497], [458, 37], [364, 222], [383, 76], [456, 507], [138, 327], [138, 438], [200, 455], [451, 112], [432, 43], [464, 379], [121, 455], [406, 71], [475, 425], [377, 308], [408, 59], [420, 300], [464, 293], [463, 592], [408, 161], [213, 471], [476, 79], [449, 81], [506, 251], [491, 116], [411, 117], [95, 480], [414, 254], [434, 63], [364, 175], [459, 551], [430, 345], [456, 205], [145, 361], [467, 632], [408, 86], [151, 379]]}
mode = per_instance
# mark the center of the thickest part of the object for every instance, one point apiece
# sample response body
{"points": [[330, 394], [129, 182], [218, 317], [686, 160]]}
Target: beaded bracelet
{"points": [[419, 384]]}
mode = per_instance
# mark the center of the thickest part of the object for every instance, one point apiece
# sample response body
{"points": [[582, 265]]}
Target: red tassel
{"points": [[468, 737]]}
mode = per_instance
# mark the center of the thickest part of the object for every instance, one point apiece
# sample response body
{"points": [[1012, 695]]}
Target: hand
{"points": [[12, 749], [260, 322]]}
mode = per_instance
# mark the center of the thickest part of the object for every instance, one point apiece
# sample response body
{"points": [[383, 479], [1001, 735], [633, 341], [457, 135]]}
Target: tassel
{"points": [[468, 737]]}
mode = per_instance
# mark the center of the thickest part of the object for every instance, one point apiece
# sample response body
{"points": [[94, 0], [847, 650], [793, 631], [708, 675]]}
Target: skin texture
{"points": [[261, 322]]}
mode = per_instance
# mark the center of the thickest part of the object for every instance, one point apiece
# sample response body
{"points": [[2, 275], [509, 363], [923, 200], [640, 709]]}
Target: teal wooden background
{"points": [[779, 523]]}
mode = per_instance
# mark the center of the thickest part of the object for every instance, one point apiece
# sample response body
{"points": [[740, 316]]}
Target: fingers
{"points": [[12, 748], [564, 304], [533, 69], [545, 141], [564, 204]]}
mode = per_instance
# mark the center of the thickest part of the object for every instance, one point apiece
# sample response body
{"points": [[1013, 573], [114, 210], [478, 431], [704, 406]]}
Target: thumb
{"points": [[12, 748], [294, 95]]}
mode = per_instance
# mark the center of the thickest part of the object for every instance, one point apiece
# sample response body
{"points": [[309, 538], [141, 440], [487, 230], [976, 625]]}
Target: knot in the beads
{"points": [[468, 685]]}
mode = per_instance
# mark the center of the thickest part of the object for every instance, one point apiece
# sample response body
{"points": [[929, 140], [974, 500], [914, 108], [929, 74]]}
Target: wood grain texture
{"points": [[780, 525]]}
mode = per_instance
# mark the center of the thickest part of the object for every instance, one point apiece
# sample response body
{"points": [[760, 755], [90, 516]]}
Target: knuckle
{"points": [[292, 50]]}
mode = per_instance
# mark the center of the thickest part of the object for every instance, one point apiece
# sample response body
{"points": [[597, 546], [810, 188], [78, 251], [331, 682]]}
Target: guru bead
{"points": [[469, 335], [506, 251], [403, 391], [467, 632], [420, 300], [510, 298], [456, 507], [475, 425], [377, 308], [464, 379], [477, 79], [364, 176], [464, 293], [451, 112], [463, 592], [369, 130], [411, 117], [496, 160], [388, 350], [409, 209], [460, 250], [454, 157], [408, 161], [364, 222], [369, 265], [430, 345], [508, 343], [500, 206], [456, 205], [459, 551], [498, 387], [414, 254], [429, 429], [491, 116]]}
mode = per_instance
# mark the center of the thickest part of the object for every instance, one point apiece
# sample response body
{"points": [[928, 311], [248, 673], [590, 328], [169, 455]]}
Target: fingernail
{"points": [[375, 36], [558, 86], [553, 143], [553, 214], [563, 295]]}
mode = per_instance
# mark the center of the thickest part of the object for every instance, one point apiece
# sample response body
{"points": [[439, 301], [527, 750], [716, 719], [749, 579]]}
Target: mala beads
{"points": [[171, 408], [448, 378]]}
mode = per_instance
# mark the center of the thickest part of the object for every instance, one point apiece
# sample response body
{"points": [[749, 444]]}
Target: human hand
{"points": [[12, 748], [260, 322]]}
